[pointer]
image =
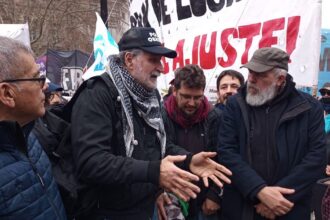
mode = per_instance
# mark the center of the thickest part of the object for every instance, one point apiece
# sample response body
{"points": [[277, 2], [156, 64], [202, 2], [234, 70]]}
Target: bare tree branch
{"points": [[42, 22]]}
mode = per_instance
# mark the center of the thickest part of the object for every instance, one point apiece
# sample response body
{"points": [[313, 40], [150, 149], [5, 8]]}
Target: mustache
{"points": [[253, 86], [228, 94], [155, 73]]}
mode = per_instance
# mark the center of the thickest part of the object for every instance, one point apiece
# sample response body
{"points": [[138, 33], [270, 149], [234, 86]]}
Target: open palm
{"points": [[203, 166]]}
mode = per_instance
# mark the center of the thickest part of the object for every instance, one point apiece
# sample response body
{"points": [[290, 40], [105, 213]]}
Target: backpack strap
{"points": [[112, 88], [67, 109], [114, 94]]}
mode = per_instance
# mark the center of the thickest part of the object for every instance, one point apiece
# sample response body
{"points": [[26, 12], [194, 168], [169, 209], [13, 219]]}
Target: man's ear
{"points": [[129, 61], [218, 94], [174, 91], [7, 95], [280, 80]]}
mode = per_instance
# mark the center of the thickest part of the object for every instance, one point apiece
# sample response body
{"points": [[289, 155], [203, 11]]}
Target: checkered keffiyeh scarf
{"points": [[146, 103]]}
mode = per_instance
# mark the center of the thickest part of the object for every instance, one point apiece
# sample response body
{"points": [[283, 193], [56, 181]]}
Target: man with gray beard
{"points": [[119, 140], [272, 139]]}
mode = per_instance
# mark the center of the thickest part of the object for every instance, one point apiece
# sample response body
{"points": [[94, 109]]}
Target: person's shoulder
{"points": [[98, 82], [312, 101], [215, 112], [101, 84], [233, 101], [309, 98]]}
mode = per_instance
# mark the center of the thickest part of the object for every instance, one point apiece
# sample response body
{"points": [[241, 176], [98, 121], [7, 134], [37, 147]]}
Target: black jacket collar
{"points": [[12, 134]]}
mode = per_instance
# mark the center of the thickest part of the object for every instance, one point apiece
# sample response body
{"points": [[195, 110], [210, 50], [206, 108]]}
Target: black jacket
{"points": [[300, 155], [201, 136], [127, 185]]}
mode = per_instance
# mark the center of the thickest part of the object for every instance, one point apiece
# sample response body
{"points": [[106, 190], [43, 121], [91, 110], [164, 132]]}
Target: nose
{"points": [[191, 101], [45, 87], [252, 78], [229, 89], [160, 66]]}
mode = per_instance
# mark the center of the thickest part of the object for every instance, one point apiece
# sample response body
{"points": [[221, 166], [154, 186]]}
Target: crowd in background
{"points": [[120, 151]]}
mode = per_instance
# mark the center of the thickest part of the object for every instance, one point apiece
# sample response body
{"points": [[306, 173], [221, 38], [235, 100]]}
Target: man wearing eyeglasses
{"points": [[325, 97], [191, 122], [325, 100], [320, 188], [27, 187], [54, 94]]}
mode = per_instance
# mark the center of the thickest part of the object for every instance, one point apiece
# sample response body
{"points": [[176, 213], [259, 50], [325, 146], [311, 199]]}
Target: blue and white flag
{"points": [[104, 46]]}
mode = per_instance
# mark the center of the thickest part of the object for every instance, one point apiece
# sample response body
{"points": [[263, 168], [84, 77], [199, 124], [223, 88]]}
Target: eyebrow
{"points": [[188, 95], [36, 74], [229, 84]]}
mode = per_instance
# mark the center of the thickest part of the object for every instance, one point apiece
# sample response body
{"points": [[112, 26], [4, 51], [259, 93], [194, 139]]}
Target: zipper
{"points": [[267, 109], [44, 187], [268, 148], [40, 179]]}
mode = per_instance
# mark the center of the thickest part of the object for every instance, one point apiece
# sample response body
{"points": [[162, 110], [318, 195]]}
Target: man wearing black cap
{"points": [[119, 139], [272, 138]]}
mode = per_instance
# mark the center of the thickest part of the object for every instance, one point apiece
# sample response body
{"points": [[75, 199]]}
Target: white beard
{"points": [[261, 97]]}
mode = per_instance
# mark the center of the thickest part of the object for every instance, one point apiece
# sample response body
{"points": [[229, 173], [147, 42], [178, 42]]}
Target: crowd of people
{"points": [[256, 154]]}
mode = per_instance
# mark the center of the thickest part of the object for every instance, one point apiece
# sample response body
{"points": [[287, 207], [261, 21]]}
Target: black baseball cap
{"points": [[146, 39], [267, 58]]}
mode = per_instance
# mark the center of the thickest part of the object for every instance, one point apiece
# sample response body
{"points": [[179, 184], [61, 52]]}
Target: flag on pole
{"points": [[104, 46]]}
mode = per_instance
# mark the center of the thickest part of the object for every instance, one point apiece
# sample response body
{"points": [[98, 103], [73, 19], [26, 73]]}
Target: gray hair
{"points": [[11, 64], [278, 72], [122, 54]]}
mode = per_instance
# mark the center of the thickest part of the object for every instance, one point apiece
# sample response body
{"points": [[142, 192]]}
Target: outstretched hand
{"points": [[176, 180], [203, 166]]}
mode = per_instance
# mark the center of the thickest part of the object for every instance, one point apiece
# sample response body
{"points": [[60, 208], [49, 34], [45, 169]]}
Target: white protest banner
{"points": [[223, 34], [18, 32]]}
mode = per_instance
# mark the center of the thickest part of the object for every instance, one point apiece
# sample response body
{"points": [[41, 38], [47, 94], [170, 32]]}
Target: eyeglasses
{"points": [[325, 92], [41, 80], [52, 95], [187, 98]]}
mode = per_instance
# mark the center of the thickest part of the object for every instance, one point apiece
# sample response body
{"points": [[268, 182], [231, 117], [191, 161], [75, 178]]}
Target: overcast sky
{"points": [[326, 14]]}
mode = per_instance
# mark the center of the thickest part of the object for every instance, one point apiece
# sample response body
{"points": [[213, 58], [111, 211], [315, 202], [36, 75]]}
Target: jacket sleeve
{"points": [[213, 123], [233, 155], [214, 192], [313, 163], [94, 145], [171, 147]]}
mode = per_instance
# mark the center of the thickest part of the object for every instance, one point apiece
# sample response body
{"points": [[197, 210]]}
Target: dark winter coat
{"points": [[300, 149], [27, 187], [127, 185], [201, 136]]}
